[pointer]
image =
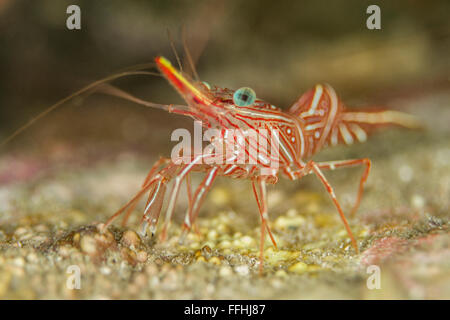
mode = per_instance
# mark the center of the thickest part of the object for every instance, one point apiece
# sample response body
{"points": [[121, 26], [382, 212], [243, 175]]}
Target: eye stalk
{"points": [[244, 97]]}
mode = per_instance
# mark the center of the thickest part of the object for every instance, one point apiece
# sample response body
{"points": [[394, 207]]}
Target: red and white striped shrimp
{"points": [[316, 120]]}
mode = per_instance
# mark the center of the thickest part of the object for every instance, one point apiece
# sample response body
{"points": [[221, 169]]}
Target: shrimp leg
{"points": [[163, 176], [149, 176], [197, 200], [315, 168], [350, 163], [259, 189], [185, 170]]}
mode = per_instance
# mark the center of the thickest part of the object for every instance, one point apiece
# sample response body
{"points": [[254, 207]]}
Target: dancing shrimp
{"points": [[317, 119]]}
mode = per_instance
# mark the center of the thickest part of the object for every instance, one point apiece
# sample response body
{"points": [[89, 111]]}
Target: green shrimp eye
{"points": [[244, 97]]}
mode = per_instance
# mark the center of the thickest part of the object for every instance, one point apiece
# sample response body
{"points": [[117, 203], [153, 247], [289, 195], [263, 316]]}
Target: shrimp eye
{"points": [[244, 97]]}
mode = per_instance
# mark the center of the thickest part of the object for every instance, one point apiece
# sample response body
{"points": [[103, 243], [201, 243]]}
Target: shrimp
{"points": [[316, 120]]}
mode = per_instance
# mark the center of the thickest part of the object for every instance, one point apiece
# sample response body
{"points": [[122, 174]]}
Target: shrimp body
{"points": [[317, 119]]}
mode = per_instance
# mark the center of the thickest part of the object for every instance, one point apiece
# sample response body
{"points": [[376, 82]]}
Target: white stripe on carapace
{"points": [[285, 151], [264, 115], [346, 135], [334, 137], [332, 115], [315, 101], [230, 168], [299, 142], [314, 126], [302, 138], [358, 131]]}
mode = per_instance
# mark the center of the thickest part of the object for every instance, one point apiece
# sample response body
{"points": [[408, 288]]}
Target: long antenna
{"points": [[188, 54], [62, 101], [174, 50]]}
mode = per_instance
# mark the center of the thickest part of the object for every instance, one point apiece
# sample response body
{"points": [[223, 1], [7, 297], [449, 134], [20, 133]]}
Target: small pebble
{"points": [[223, 228], [41, 228], [284, 222], [281, 273], [20, 232], [364, 232], [242, 270], [212, 235], [215, 260], [130, 238], [76, 238], [32, 257], [129, 256], [141, 280], [277, 257], [299, 267], [19, 262], [206, 251], [151, 269], [201, 259], [39, 238], [23, 234], [100, 227], [106, 239], [225, 244], [248, 241], [194, 245], [88, 244], [237, 235], [225, 271], [142, 256], [65, 250]]}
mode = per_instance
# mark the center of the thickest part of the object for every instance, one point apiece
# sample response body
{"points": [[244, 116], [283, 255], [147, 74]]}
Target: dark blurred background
{"points": [[279, 48]]}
